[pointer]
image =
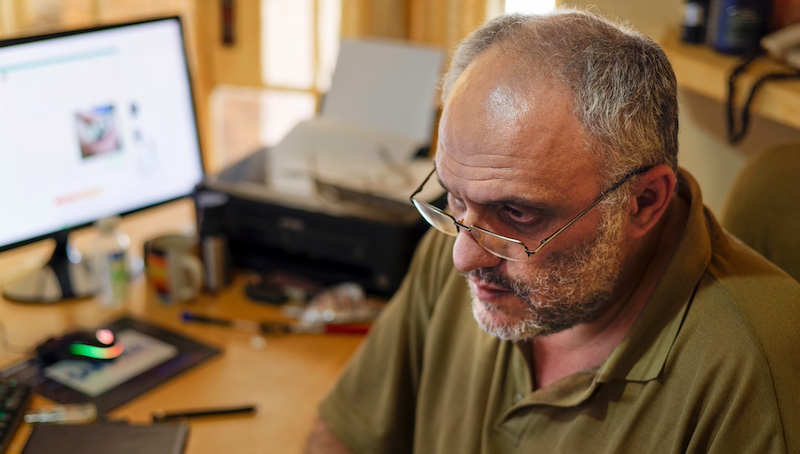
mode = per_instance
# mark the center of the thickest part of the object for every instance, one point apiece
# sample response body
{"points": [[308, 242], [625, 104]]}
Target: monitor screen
{"points": [[93, 123]]}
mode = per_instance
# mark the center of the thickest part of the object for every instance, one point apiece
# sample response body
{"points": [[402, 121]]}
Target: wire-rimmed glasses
{"points": [[496, 244]]}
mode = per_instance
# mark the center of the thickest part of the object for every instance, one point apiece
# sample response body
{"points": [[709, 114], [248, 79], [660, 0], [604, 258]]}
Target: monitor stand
{"points": [[65, 276]]}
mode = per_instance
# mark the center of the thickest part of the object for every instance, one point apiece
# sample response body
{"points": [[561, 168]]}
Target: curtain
{"points": [[441, 23]]}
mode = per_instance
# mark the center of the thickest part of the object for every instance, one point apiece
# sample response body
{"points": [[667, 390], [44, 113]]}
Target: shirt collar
{"points": [[643, 351]]}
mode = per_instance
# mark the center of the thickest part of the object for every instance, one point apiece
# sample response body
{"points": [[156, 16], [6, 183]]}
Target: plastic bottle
{"points": [[695, 15], [735, 26], [111, 262]]}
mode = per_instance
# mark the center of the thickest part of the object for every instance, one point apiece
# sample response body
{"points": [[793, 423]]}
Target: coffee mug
{"points": [[173, 267]]}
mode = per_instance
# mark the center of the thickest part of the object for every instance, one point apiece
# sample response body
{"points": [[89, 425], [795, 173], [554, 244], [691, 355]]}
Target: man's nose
{"points": [[468, 255]]}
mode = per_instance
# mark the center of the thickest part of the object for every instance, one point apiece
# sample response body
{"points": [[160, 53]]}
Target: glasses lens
{"points": [[437, 218], [499, 246], [505, 248]]}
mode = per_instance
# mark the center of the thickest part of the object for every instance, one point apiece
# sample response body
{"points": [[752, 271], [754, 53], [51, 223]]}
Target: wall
{"points": [[704, 150]]}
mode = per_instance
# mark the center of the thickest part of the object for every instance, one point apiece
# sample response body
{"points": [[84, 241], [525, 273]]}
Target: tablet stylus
{"points": [[161, 416]]}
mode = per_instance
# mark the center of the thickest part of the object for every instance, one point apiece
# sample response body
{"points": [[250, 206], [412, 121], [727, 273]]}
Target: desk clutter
{"points": [[75, 371], [174, 272], [311, 317], [89, 373], [151, 355]]}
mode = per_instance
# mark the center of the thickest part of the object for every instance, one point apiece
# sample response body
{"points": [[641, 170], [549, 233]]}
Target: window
{"points": [[299, 44], [529, 6]]}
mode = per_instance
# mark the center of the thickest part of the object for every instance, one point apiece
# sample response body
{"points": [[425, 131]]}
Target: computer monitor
{"points": [[93, 123]]}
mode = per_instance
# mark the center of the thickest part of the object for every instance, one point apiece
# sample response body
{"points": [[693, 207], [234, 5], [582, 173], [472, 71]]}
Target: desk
{"points": [[286, 377]]}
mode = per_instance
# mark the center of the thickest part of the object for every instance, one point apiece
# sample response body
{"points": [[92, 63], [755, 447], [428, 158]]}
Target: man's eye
{"points": [[518, 216], [455, 205], [514, 212]]}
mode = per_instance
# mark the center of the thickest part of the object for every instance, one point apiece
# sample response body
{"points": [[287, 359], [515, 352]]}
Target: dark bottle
{"points": [[736, 26], [695, 15], [214, 249]]}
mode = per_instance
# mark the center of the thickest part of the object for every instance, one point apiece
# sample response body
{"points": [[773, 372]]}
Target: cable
{"points": [[735, 134]]}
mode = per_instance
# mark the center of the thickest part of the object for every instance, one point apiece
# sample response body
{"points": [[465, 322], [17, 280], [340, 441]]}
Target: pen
{"points": [[161, 416], [276, 327], [64, 414]]}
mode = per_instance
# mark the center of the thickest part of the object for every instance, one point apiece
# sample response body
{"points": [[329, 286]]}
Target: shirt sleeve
{"points": [[372, 407]]}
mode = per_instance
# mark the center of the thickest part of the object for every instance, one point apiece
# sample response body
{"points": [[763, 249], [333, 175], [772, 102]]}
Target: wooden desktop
{"points": [[285, 376]]}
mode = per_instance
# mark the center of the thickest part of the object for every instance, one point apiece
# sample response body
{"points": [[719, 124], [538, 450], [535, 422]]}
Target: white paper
{"points": [[386, 86], [377, 114], [328, 150]]}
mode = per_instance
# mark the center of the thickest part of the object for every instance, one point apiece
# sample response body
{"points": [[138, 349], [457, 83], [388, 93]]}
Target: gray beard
{"points": [[576, 288]]}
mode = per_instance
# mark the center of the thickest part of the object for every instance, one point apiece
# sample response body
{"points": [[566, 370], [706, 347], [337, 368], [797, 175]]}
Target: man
{"points": [[613, 313]]}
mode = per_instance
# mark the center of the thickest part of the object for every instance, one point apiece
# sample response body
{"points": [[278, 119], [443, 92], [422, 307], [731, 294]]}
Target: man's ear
{"points": [[650, 196]]}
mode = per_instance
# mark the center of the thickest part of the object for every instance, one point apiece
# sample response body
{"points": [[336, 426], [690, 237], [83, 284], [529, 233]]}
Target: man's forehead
{"points": [[488, 184], [498, 134]]}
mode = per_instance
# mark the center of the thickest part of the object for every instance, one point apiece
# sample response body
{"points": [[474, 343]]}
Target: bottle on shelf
{"points": [[736, 26], [111, 269], [695, 16]]}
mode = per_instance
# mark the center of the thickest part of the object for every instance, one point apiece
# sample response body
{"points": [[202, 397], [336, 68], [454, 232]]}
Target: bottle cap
{"points": [[108, 223], [211, 212]]}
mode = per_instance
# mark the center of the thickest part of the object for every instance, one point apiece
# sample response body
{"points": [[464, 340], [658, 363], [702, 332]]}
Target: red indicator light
{"points": [[105, 336]]}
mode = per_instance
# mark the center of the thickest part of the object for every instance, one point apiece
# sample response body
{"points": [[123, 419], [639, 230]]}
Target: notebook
{"points": [[119, 438]]}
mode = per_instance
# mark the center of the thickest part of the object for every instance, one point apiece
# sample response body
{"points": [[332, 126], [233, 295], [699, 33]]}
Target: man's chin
{"points": [[501, 322]]}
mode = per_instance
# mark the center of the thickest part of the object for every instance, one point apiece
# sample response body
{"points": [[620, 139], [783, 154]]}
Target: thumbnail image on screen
{"points": [[97, 131]]}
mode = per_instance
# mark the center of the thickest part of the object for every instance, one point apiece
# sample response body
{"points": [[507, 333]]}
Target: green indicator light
{"points": [[90, 351]]}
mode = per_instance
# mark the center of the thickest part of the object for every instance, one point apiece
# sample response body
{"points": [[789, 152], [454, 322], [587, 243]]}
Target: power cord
{"points": [[736, 132]]}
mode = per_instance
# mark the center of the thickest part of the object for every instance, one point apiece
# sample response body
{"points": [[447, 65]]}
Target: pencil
{"points": [[161, 416]]}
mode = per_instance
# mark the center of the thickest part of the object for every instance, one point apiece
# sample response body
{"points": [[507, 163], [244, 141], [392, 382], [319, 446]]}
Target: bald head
{"points": [[622, 89], [497, 109]]}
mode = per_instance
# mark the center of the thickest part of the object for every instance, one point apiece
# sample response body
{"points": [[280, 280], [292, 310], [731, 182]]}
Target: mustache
{"points": [[492, 276]]}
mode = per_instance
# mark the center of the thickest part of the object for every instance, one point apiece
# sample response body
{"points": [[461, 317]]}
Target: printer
{"points": [[366, 241], [330, 200]]}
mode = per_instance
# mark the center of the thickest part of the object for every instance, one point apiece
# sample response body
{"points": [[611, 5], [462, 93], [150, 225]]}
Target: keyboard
{"points": [[15, 398]]}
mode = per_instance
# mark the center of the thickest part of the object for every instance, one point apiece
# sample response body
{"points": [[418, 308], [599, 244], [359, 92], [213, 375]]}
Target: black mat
{"points": [[190, 353]]}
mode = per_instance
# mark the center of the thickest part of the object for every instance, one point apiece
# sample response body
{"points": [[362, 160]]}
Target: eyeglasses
{"points": [[499, 245]]}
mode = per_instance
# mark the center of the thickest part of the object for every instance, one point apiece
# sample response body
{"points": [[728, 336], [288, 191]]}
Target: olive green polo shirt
{"points": [[710, 365]]}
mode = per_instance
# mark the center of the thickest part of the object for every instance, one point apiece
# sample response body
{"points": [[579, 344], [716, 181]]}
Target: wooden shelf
{"points": [[702, 70]]}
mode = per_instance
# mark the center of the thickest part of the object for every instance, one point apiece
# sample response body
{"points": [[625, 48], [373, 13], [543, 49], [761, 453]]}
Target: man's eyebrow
{"points": [[517, 202], [520, 203]]}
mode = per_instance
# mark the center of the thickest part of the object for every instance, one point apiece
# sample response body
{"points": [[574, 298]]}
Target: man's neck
{"points": [[586, 346]]}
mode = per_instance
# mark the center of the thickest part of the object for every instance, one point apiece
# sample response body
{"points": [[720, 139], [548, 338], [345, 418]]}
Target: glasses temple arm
{"points": [[419, 189], [582, 213]]}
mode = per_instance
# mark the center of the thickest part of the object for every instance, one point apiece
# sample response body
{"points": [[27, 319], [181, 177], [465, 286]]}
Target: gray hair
{"points": [[624, 89]]}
